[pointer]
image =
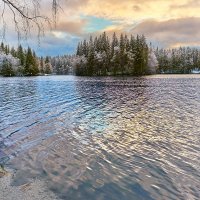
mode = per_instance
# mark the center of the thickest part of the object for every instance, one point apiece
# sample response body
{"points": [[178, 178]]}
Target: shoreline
{"points": [[34, 190]]}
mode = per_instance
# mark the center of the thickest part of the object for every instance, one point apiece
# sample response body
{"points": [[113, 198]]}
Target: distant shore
{"points": [[119, 75]]}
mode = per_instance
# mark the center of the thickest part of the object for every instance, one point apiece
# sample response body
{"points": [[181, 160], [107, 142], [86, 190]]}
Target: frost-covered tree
{"points": [[47, 67], [116, 56], [152, 62], [8, 63], [23, 62], [180, 60], [6, 68], [63, 65]]}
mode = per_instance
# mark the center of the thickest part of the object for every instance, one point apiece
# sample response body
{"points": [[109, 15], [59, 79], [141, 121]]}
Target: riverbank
{"points": [[35, 190]]}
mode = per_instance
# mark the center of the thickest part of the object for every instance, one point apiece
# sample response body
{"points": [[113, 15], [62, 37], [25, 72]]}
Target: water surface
{"points": [[104, 138]]}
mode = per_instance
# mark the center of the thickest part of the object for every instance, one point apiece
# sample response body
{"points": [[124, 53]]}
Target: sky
{"points": [[165, 23]]}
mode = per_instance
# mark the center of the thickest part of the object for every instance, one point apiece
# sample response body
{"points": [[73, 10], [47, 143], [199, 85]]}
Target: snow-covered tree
{"points": [[113, 57], [152, 62], [180, 60], [23, 62]]}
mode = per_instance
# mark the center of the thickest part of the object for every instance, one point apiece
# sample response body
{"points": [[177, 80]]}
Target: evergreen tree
{"points": [[2, 47], [21, 55], [104, 56], [13, 52], [42, 66], [47, 66], [7, 50], [6, 69], [122, 53], [91, 56], [31, 67], [114, 44]]}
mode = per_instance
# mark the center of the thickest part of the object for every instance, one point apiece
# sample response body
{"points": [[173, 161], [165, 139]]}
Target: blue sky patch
{"points": [[96, 24]]}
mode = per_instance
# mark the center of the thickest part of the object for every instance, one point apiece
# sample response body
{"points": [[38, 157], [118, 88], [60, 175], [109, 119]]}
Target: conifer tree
{"points": [[91, 56], [117, 56], [2, 47], [42, 65], [47, 66], [6, 69], [31, 68], [21, 55], [13, 52]]}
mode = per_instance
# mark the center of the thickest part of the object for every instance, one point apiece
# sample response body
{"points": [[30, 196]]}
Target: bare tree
{"points": [[26, 16]]}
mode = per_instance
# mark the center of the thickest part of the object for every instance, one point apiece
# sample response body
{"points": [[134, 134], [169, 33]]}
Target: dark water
{"points": [[104, 138]]}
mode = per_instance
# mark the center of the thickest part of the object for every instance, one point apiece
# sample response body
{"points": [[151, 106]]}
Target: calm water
{"points": [[104, 138]]}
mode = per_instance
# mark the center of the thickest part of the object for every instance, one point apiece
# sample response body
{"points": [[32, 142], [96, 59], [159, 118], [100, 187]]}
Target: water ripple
{"points": [[104, 138]]}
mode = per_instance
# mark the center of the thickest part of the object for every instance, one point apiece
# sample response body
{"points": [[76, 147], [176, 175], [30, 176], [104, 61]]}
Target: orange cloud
{"points": [[73, 27], [134, 10]]}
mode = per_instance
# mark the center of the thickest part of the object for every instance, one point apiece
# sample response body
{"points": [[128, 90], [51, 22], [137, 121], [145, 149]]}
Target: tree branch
{"points": [[27, 14]]}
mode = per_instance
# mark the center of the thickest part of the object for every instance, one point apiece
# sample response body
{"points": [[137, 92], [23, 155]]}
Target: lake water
{"points": [[104, 138]]}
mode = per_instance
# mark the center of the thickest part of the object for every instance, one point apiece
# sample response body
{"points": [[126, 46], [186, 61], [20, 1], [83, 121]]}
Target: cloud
{"points": [[167, 33], [186, 5], [134, 10], [167, 23], [183, 31], [72, 27]]}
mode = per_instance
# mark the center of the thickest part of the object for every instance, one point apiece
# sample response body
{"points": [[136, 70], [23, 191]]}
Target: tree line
{"points": [[22, 62], [116, 56], [101, 56], [183, 60], [63, 65], [132, 56]]}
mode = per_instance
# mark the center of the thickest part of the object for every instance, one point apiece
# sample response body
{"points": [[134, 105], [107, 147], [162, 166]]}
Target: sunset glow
{"points": [[166, 23]]}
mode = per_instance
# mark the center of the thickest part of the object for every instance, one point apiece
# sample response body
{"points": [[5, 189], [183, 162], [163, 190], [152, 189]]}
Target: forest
{"points": [[123, 56], [132, 56], [183, 60], [102, 56], [22, 62]]}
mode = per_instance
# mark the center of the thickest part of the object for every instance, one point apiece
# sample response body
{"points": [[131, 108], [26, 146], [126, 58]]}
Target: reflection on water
{"points": [[104, 138]]}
